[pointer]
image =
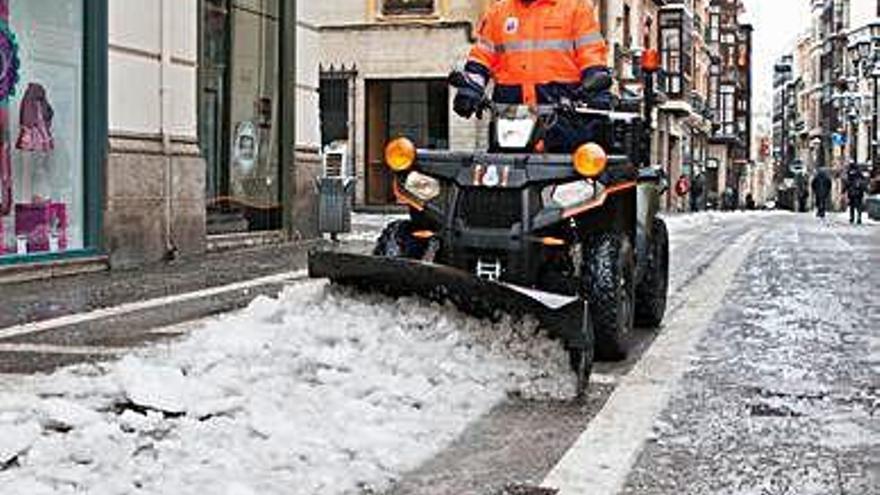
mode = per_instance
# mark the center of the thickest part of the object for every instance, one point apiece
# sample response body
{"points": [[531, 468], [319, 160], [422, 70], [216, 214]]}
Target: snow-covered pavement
{"points": [[323, 391], [317, 391]]}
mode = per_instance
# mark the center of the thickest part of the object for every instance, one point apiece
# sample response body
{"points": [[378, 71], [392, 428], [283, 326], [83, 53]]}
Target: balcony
{"points": [[676, 24]]}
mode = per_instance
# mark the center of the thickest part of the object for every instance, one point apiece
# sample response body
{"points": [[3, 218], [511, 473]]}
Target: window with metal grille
{"points": [[407, 7]]}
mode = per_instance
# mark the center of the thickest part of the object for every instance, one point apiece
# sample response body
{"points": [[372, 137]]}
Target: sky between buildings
{"points": [[777, 24]]}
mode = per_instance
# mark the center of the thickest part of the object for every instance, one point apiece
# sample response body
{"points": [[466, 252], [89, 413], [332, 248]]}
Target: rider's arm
{"points": [[591, 51], [484, 54]]}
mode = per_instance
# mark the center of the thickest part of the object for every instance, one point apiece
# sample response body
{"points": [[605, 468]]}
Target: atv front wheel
{"points": [[609, 285], [397, 241], [652, 290]]}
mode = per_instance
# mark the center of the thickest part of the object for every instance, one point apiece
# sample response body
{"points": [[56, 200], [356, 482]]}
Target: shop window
{"points": [[239, 74], [42, 178], [407, 7]]}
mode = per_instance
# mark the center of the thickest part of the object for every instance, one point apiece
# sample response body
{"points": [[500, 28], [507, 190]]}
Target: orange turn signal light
{"points": [[590, 160], [651, 60], [423, 234], [400, 154], [552, 242]]}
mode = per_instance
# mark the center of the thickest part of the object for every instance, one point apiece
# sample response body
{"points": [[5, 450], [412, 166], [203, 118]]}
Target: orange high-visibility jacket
{"points": [[528, 48]]}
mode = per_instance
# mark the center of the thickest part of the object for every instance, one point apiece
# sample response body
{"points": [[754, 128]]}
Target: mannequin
{"points": [[35, 139]]}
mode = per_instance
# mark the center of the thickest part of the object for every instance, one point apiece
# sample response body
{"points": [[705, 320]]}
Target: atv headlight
{"points": [[569, 195], [421, 186]]}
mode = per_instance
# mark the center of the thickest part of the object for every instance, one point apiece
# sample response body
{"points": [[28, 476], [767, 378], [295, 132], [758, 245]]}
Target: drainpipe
{"points": [[165, 94]]}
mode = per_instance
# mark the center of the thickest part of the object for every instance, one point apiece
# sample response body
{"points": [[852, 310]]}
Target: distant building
{"points": [[384, 65]]}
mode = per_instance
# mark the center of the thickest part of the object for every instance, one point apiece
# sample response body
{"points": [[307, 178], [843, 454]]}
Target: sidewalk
{"points": [[45, 299], [52, 323]]}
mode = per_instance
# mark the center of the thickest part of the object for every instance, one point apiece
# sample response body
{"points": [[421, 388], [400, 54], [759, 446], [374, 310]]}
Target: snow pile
{"points": [[318, 391]]}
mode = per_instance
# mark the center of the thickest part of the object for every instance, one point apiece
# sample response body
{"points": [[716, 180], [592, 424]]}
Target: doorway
{"points": [[415, 109], [239, 115]]}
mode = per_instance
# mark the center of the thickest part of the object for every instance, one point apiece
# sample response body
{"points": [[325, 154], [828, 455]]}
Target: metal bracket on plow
{"points": [[489, 270]]}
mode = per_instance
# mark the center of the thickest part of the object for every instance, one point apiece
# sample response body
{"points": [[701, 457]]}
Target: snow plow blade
{"points": [[395, 277]]}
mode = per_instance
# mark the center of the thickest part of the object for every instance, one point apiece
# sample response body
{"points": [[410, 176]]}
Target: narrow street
{"points": [[764, 380]]}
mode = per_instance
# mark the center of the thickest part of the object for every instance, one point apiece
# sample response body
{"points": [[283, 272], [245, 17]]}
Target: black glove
{"points": [[467, 101], [595, 88]]}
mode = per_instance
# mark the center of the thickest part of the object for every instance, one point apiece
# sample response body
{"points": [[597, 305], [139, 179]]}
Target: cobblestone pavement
{"points": [[783, 393]]}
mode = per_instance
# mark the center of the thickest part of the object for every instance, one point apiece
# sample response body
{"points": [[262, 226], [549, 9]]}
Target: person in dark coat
{"points": [[822, 191], [855, 192], [697, 189]]}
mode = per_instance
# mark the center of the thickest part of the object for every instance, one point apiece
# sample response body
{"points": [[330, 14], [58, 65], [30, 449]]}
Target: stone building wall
{"points": [[154, 176]]}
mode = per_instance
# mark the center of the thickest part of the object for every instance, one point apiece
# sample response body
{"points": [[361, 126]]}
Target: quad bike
{"points": [[571, 239]]}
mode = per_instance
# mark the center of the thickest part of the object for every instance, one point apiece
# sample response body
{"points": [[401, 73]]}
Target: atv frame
{"points": [[494, 239]]}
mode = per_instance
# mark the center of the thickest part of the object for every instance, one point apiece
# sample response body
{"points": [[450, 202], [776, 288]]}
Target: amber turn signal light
{"points": [[590, 160], [651, 60], [400, 154]]}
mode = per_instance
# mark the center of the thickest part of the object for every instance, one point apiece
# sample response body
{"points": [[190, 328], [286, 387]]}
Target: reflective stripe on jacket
{"points": [[535, 48]]}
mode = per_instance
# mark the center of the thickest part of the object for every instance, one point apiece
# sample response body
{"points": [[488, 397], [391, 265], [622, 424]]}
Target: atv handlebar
{"points": [[458, 79]]}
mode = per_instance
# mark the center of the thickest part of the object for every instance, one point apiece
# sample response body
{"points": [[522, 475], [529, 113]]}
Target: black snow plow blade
{"points": [[396, 277]]}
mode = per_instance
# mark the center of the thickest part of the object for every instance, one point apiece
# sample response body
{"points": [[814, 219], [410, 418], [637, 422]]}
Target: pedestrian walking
{"points": [[697, 189], [822, 191], [855, 188]]}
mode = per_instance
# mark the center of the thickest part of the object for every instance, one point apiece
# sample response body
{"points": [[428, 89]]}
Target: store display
{"points": [[9, 61], [42, 187], [36, 114], [6, 198], [9, 75], [43, 225]]}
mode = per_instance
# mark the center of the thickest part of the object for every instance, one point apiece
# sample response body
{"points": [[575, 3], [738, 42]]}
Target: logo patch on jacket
{"points": [[511, 25]]}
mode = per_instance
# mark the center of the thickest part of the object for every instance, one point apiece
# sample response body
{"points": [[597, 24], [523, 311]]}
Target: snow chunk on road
{"points": [[16, 439], [318, 391]]}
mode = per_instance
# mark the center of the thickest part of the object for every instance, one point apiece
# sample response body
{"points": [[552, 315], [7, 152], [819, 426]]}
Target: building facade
{"points": [[384, 66], [126, 126], [730, 144], [829, 119]]}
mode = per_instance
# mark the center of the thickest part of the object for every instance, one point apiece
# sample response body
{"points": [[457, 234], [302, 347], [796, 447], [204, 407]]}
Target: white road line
{"points": [[76, 319], [61, 349], [604, 378], [601, 459]]}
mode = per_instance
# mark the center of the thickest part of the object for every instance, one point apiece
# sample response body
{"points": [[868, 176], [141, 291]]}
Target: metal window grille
{"points": [[404, 7]]}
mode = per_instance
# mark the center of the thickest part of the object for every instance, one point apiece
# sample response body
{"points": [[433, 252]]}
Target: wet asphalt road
{"points": [[780, 395], [784, 391]]}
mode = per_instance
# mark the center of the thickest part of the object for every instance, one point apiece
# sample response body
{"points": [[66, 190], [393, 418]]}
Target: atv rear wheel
{"points": [[397, 241], [609, 285], [651, 292]]}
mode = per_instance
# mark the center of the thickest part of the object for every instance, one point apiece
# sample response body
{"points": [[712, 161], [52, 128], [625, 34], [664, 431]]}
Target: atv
{"points": [[573, 240]]}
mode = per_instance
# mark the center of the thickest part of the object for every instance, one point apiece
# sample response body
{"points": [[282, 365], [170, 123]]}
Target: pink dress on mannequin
{"points": [[35, 132]]}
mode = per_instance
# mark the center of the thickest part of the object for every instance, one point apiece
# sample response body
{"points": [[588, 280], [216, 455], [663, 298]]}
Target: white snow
{"points": [[317, 391]]}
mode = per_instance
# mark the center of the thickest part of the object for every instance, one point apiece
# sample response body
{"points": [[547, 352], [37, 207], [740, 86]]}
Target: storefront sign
{"points": [[9, 62]]}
